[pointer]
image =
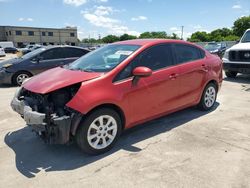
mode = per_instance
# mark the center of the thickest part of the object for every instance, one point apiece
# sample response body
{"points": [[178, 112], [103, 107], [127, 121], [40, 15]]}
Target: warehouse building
{"points": [[21, 36]]}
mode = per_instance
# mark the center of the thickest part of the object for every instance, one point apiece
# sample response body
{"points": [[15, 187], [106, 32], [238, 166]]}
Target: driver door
{"points": [[48, 59], [153, 95]]}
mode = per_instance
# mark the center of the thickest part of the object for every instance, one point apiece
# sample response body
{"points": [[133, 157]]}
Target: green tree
{"points": [[89, 40], [199, 36], [145, 35], [241, 25], [127, 37], [154, 34], [85, 40], [110, 39], [174, 36], [231, 38]]}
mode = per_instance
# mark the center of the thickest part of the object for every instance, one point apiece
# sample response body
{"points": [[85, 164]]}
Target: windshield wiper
{"points": [[87, 70]]}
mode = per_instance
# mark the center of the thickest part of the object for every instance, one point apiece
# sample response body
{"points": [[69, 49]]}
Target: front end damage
{"points": [[47, 114]]}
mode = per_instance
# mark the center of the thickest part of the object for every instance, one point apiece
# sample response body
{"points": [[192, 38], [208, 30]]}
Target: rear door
{"points": [[193, 72], [71, 54]]}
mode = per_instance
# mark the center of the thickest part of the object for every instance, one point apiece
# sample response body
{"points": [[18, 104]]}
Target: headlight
{"points": [[226, 55], [7, 65], [215, 51]]}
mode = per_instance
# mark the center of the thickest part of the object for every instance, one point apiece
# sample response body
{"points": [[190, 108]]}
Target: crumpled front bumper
{"points": [[54, 129], [31, 117]]}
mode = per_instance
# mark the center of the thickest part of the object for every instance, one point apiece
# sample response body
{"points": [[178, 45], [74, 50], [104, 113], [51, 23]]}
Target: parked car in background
{"points": [[15, 71], [237, 58], [30, 48], [116, 87], [216, 48], [12, 50], [6, 44], [2, 53]]}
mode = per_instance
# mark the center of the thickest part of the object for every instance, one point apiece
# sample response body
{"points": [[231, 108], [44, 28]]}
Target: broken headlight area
{"points": [[47, 114]]}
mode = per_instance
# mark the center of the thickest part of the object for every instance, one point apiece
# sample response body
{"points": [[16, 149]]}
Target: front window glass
{"points": [[246, 37], [33, 53], [103, 59]]}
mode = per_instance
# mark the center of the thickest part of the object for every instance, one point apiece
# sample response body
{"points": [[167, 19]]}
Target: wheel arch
{"points": [[214, 82], [19, 71], [105, 105], [205, 85]]}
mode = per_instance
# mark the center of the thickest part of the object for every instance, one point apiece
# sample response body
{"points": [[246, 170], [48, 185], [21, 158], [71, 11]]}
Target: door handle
{"points": [[173, 76], [204, 68]]}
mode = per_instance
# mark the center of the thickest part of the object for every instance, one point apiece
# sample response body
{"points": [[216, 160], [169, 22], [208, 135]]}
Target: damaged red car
{"points": [[118, 86]]}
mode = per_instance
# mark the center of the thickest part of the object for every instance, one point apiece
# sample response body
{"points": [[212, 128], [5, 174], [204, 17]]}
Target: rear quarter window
{"points": [[186, 53]]}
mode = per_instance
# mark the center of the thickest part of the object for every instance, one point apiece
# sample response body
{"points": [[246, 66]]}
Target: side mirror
{"points": [[140, 72], [36, 59], [237, 41]]}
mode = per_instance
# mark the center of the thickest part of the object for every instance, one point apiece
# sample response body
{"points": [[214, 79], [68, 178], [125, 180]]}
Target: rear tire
{"points": [[99, 131], [231, 74], [19, 77], [208, 97]]}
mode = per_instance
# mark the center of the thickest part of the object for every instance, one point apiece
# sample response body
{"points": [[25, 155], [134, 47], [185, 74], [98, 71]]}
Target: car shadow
{"points": [[6, 86], [241, 78], [32, 155]]}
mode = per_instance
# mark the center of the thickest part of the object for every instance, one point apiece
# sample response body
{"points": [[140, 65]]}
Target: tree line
{"points": [[222, 34], [114, 38]]}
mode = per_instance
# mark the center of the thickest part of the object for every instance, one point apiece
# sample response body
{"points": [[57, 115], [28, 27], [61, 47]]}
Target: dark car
{"points": [[30, 48], [216, 48], [12, 50], [15, 71]]}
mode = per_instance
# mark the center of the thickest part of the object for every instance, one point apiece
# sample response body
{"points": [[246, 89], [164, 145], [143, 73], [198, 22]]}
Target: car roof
{"points": [[62, 46], [150, 42]]}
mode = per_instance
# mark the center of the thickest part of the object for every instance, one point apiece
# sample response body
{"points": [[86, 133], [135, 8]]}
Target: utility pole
{"points": [[182, 28]]}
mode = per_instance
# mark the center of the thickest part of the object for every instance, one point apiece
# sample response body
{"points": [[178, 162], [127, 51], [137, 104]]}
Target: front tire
{"points": [[99, 131], [231, 74], [19, 77], [208, 98]]}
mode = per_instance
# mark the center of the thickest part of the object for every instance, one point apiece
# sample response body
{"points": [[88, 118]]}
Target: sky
{"points": [[102, 17]]}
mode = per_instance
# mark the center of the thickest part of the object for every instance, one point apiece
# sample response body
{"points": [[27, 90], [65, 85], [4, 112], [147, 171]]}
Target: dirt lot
{"points": [[186, 149]]}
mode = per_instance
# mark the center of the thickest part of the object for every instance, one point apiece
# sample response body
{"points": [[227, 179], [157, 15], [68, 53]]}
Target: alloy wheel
{"points": [[210, 96], [102, 132], [21, 77]]}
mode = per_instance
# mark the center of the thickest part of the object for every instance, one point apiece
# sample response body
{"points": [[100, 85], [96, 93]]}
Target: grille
{"points": [[237, 66], [239, 56]]}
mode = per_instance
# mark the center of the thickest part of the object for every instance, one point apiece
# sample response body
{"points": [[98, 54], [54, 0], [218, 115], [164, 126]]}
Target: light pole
{"points": [[182, 28]]}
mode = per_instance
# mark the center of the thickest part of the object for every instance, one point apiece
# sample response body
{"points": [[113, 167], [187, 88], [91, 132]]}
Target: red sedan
{"points": [[116, 87]]}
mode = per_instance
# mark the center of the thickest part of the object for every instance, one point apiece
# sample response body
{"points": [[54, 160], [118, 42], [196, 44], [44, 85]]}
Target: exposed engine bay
{"points": [[47, 114]]}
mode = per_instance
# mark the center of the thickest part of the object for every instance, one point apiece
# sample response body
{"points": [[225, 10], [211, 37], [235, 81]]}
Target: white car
{"points": [[237, 58], [2, 53]]}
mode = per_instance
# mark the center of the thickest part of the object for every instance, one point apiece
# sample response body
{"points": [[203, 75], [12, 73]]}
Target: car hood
{"points": [[10, 61], [57, 78], [241, 46]]}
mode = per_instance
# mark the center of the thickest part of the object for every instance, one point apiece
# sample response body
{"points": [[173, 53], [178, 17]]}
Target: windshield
{"points": [[246, 37], [103, 59], [212, 46], [33, 53]]}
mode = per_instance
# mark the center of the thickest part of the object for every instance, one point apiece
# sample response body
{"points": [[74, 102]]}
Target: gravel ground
{"points": [[185, 149]]}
